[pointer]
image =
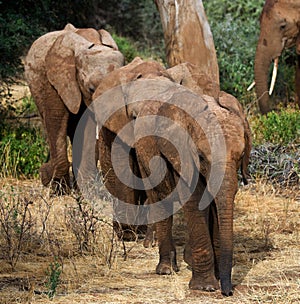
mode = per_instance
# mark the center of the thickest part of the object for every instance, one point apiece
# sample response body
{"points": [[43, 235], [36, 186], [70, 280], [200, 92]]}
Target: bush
{"points": [[276, 163], [277, 127], [126, 47], [235, 27], [23, 150]]}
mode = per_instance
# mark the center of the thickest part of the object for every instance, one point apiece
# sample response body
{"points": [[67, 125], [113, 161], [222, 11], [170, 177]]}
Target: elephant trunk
{"points": [[261, 67], [224, 202]]}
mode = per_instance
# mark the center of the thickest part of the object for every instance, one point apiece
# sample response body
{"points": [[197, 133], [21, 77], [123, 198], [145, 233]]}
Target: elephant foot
{"points": [[59, 186], [150, 237], [46, 174], [207, 284], [226, 288], [167, 267]]}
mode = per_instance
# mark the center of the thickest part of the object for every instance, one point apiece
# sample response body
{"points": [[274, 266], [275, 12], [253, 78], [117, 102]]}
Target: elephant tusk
{"points": [[274, 75], [251, 86], [97, 132]]}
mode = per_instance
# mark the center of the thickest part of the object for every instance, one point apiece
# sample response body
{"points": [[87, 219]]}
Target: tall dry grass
{"points": [[266, 253]]}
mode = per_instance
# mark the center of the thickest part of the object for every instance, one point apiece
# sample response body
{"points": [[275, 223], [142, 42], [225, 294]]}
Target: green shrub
{"points": [[23, 150], [277, 127], [126, 47], [53, 272], [235, 28]]}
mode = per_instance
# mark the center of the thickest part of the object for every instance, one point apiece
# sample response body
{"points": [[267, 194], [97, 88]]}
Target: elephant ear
{"points": [[107, 39], [181, 152], [61, 73], [70, 27], [232, 104]]}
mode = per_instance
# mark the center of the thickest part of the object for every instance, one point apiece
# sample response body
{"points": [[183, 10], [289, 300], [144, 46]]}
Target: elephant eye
{"points": [[282, 25], [91, 46]]}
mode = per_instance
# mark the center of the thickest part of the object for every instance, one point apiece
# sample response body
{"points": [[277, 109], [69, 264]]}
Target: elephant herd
{"points": [[164, 139]]}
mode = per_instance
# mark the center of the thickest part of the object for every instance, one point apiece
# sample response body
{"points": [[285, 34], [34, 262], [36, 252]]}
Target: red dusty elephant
{"points": [[63, 69], [183, 150]]}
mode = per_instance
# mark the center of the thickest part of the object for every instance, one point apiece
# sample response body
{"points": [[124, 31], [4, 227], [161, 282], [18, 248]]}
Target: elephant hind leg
{"points": [[150, 237], [201, 256], [167, 251], [46, 173]]}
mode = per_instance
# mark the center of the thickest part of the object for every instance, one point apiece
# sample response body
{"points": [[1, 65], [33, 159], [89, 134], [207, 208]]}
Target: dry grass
{"points": [[266, 257]]}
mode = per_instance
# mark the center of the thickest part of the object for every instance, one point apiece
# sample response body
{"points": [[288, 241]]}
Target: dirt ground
{"points": [[266, 254]]}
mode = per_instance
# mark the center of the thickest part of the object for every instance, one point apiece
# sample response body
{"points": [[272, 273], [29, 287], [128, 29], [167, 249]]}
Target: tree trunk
{"points": [[187, 35]]}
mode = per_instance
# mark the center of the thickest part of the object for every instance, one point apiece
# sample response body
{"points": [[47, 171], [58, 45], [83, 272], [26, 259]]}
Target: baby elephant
{"points": [[166, 146], [63, 69]]}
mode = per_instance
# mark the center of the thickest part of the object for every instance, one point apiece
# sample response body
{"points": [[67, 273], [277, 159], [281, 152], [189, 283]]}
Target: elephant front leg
{"points": [[199, 252], [56, 170]]}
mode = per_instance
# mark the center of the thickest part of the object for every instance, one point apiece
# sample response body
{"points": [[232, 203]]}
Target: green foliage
{"points": [[235, 27], [53, 272], [21, 22], [23, 150], [27, 107], [16, 32], [277, 127], [138, 20], [126, 47], [285, 81]]}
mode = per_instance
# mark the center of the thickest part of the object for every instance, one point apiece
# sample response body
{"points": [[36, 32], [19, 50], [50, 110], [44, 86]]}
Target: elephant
{"points": [[187, 74], [210, 229], [63, 69], [131, 125], [137, 69], [279, 29]]}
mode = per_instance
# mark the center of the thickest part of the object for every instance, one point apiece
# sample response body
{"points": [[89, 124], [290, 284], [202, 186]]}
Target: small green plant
{"points": [[53, 272], [23, 150], [126, 47], [27, 107], [281, 127]]}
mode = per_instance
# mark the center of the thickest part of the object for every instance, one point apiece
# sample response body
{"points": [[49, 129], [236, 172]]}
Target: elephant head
{"points": [[192, 77], [75, 66], [279, 29]]}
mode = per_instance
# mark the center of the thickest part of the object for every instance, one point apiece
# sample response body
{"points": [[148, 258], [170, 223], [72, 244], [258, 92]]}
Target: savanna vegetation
{"points": [[62, 249]]}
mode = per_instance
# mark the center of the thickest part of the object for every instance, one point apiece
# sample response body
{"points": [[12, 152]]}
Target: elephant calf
{"points": [[168, 147], [63, 69]]}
